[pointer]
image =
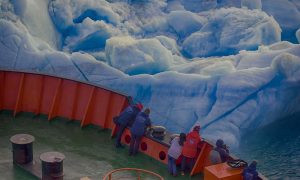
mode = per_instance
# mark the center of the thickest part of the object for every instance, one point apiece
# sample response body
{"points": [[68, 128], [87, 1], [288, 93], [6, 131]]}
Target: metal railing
{"points": [[139, 172]]}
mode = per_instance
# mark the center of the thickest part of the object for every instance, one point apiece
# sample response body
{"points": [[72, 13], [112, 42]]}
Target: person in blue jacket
{"points": [[250, 173], [125, 119], [138, 129]]}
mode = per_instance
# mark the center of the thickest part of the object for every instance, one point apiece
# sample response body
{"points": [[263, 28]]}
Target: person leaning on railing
{"points": [[125, 119], [190, 148], [174, 152], [138, 129], [220, 153]]}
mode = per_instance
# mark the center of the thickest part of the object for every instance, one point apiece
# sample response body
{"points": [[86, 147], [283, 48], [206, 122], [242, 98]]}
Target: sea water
{"points": [[276, 147]]}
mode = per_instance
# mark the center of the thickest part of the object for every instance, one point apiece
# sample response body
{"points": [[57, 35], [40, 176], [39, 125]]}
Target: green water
{"points": [[89, 151]]}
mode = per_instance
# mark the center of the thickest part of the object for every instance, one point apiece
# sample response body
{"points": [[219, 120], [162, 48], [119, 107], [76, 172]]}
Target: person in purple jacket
{"points": [[138, 129], [174, 152], [125, 119]]}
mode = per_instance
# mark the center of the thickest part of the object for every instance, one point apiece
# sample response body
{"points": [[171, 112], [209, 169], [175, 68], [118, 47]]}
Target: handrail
{"points": [[108, 176]]}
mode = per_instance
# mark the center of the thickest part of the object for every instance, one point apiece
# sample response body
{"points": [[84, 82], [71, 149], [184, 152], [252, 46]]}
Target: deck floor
{"points": [[89, 151]]}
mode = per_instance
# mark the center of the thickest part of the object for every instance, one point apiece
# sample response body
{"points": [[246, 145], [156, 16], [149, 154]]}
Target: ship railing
{"points": [[139, 172]]}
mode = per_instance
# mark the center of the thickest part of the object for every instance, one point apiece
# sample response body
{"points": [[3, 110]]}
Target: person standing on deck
{"points": [[250, 173], [222, 149], [190, 148], [138, 129], [174, 152], [125, 119], [220, 153]]}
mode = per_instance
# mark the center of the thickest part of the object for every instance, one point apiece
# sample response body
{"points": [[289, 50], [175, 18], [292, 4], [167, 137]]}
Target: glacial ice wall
{"points": [[140, 48]]}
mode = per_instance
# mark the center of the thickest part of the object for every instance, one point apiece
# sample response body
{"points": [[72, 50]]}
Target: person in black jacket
{"points": [[126, 119], [222, 150]]}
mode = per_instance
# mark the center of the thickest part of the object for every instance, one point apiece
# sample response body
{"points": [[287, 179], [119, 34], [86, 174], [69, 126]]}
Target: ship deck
{"points": [[89, 151]]}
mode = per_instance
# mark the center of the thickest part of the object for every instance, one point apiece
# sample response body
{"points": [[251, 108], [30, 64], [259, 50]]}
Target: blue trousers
{"points": [[187, 166], [134, 144], [119, 134], [172, 165]]}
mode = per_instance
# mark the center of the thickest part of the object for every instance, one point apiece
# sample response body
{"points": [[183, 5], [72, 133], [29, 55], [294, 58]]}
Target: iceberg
{"points": [[226, 69]]}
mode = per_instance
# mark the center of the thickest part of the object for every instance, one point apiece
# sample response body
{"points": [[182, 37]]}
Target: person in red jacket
{"points": [[190, 148]]}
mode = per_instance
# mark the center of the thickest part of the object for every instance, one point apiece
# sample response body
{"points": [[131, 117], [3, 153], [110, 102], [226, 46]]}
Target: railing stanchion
{"points": [[138, 173]]}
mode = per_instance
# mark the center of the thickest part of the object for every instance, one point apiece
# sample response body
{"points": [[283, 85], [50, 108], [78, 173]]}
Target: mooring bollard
{"points": [[22, 148], [52, 165]]}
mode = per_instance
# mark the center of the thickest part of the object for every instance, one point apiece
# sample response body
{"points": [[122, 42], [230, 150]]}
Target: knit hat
{"points": [[196, 128], [139, 106], [219, 143]]}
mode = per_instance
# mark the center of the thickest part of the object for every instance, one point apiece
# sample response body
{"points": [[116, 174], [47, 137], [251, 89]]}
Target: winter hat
{"points": [[196, 128], [139, 106], [147, 111], [219, 143]]}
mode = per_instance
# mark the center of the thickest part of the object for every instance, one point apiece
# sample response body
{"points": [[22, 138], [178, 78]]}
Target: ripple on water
{"points": [[276, 147]]}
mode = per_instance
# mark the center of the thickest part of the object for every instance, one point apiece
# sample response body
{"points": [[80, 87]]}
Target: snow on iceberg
{"points": [[21, 51], [174, 25], [169, 43], [289, 22], [145, 56], [251, 4], [182, 27], [91, 36], [84, 25], [193, 5], [31, 13], [287, 14], [230, 30]]}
